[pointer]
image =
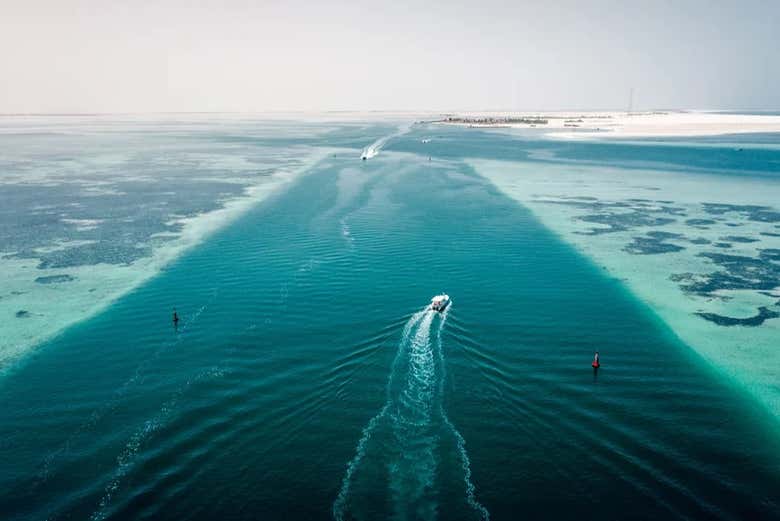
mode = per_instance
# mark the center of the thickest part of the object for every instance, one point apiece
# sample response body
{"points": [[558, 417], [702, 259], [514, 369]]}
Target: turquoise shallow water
{"points": [[306, 381]]}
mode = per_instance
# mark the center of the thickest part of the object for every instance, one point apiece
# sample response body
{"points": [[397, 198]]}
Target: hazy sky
{"points": [[170, 55]]}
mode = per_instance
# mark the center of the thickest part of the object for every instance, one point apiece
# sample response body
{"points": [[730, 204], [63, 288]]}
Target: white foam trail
{"points": [[471, 497], [346, 231], [127, 457], [42, 476], [373, 149], [413, 475], [339, 505]]}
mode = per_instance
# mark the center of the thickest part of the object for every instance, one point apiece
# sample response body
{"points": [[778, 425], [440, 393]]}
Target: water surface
{"points": [[307, 381]]}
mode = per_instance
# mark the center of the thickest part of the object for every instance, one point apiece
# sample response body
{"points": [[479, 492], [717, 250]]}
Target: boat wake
{"points": [[403, 443], [345, 231], [113, 403], [373, 149], [126, 460], [460, 442]]}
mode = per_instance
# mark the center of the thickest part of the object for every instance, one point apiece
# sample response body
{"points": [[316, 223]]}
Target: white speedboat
{"points": [[440, 302]]}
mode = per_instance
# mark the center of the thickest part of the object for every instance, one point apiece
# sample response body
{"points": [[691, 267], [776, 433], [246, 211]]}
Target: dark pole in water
{"points": [[175, 318]]}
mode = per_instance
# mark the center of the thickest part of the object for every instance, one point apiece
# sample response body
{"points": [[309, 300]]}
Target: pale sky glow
{"points": [[170, 55]]}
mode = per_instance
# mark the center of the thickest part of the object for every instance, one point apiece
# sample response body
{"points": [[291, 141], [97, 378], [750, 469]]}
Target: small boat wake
{"points": [[465, 462], [116, 399], [126, 460], [403, 444], [373, 149]]}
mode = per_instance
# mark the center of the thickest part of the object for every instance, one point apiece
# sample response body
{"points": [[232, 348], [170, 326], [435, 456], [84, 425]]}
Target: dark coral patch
{"points": [[617, 222], [736, 272], [751, 212], [739, 238], [699, 222], [654, 243], [763, 315], [615, 217], [665, 235], [54, 279], [647, 246]]}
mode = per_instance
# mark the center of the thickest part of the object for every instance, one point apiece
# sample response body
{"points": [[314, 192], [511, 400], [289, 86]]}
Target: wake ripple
{"points": [[413, 433], [465, 461], [127, 457], [413, 474], [45, 468], [339, 505], [373, 149]]}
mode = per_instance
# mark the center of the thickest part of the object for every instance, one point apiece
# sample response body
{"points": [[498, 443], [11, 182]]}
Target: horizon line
{"points": [[373, 111]]}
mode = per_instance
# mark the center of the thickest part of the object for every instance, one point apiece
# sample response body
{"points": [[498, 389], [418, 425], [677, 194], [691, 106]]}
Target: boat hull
{"points": [[441, 307]]}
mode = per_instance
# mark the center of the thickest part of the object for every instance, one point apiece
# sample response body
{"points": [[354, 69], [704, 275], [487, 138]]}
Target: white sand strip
{"points": [[578, 125]]}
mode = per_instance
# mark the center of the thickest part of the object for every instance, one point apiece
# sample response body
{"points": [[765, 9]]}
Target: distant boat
{"points": [[426, 140], [440, 302]]}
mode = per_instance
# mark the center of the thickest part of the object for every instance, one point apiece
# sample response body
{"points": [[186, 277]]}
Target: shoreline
{"points": [[588, 125]]}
